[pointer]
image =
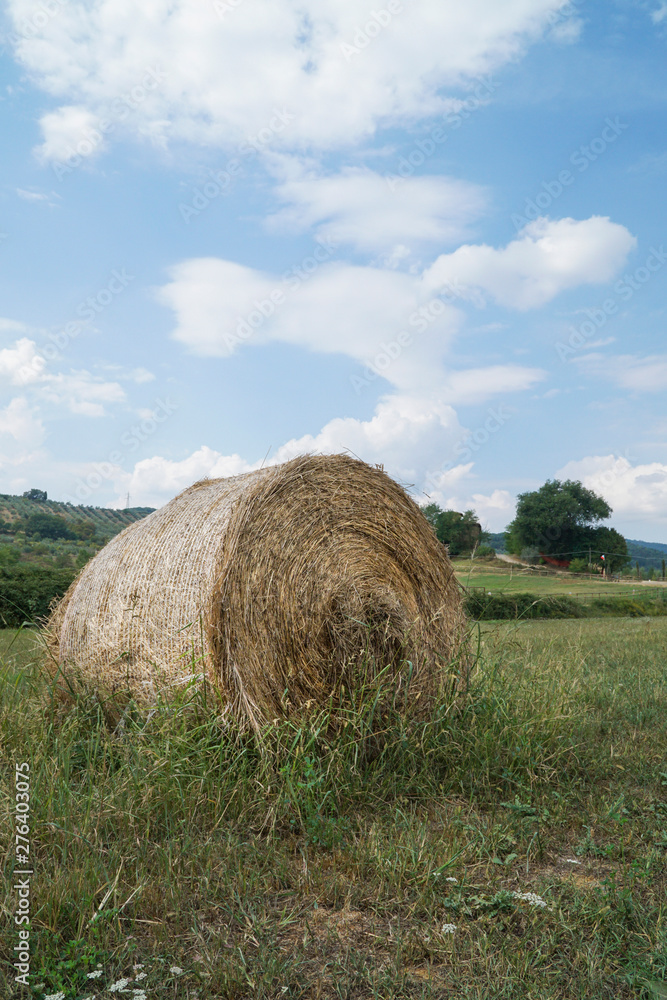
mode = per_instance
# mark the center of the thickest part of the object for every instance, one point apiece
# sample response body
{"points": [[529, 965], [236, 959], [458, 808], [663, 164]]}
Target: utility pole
{"points": [[127, 501]]}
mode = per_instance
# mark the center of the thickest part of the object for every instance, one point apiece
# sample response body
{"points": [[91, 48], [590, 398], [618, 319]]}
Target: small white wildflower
{"points": [[94, 975], [142, 975], [91, 997], [120, 985], [530, 897], [135, 968], [55, 996], [571, 861], [448, 928], [99, 965], [450, 878], [176, 971], [139, 995]]}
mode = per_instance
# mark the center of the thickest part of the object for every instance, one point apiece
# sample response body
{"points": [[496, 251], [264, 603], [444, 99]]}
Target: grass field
{"points": [[512, 846], [499, 576]]}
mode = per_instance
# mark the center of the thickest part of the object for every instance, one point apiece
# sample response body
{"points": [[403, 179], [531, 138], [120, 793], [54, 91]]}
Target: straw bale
{"points": [[272, 585]]}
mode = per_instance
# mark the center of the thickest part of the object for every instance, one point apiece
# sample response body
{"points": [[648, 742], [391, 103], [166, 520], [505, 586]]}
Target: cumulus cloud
{"points": [[394, 322], [358, 207], [79, 391], [338, 308], [21, 422], [339, 70], [155, 480], [405, 434], [67, 132], [633, 491], [547, 257]]}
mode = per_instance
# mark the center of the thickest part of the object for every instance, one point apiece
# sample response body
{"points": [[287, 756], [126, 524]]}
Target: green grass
{"points": [[507, 579], [324, 861]]}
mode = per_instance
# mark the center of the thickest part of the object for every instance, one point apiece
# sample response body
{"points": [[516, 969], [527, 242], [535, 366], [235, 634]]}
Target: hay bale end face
{"points": [[272, 585]]}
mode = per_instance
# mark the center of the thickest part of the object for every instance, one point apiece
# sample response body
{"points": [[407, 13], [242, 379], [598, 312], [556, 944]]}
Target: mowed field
{"points": [[513, 845], [501, 577]]}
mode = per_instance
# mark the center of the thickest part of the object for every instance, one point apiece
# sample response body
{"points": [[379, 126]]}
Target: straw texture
{"points": [[274, 585]]}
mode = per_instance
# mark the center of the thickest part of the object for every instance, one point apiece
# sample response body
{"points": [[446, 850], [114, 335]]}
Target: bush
{"points": [[578, 566], [485, 552], [27, 592], [485, 607], [47, 526]]}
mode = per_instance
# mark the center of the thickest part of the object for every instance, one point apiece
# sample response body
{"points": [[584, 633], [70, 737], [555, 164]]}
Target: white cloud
{"points": [[22, 364], [633, 491], [79, 391], [547, 257], [227, 70], [155, 480], [361, 311], [357, 206], [22, 422], [478, 384], [451, 491], [31, 195], [406, 434], [638, 374], [358, 311], [69, 131]]}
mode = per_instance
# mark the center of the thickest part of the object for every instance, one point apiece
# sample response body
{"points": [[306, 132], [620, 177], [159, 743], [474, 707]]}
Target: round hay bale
{"points": [[271, 585]]}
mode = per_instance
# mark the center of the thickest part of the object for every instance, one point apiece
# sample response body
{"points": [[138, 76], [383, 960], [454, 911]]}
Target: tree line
{"points": [[560, 522]]}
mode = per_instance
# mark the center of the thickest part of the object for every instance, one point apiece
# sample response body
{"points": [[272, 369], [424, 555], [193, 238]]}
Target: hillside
{"points": [[43, 545]]}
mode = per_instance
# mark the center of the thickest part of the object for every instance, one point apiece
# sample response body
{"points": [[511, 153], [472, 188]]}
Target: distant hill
{"points": [[107, 523], [43, 545], [649, 555]]}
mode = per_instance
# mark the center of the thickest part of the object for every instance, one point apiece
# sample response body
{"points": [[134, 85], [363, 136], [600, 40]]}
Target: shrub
{"points": [[27, 592], [485, 552], [484, 607]]}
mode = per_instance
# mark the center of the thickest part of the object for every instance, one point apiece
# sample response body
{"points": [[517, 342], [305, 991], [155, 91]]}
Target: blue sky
{"points": [[433, 237]]}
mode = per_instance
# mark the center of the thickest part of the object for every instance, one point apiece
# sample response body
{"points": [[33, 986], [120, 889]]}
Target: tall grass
{"points": [[360, 853]]}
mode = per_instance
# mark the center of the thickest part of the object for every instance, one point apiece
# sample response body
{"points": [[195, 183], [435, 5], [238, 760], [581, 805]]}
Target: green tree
{"points": [[610, 543], [559, 520], [85, 530], [47, 526], [461, 532], [35, 494]]}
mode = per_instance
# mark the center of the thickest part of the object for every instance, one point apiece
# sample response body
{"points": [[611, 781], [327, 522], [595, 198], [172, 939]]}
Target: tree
{"points": [[47, 526], [461, 532], [609, 543], [35, 494], [559, 520]]}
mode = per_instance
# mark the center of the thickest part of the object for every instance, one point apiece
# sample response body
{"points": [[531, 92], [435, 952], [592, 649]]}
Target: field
{"points": [[499, 576], [511, 846]]}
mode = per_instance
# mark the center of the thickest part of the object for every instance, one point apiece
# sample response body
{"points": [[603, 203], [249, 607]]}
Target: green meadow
{"points": [[513, 844], [501, 576]]}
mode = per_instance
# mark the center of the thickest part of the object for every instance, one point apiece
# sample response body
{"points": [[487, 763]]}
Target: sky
{"points": [[427, 234]]}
